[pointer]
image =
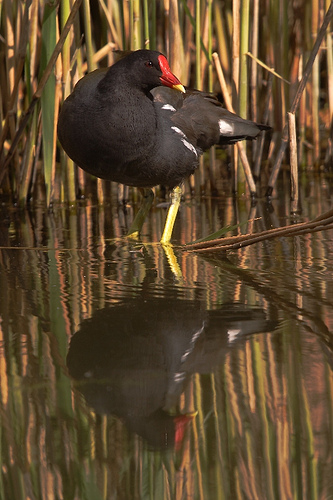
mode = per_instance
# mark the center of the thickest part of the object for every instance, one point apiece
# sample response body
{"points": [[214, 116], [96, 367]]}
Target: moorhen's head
{"points": [[145, 69]]}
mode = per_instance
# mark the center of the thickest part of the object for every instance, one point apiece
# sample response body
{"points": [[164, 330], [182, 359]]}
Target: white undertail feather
{"points": [[225, 128]]}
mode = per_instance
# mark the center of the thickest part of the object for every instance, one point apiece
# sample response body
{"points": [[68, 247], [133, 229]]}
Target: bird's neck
{"points": [[121, 87]]}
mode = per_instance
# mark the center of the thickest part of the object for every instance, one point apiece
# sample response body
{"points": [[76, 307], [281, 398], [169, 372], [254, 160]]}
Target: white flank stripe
{"points": [[180, 132], [190, 146], [168, 107], [179, 377], [193, 341], [185, 141], [225, 128]]}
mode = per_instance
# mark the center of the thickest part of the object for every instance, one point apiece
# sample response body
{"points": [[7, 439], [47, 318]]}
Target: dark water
{"points": [[132, 371]]}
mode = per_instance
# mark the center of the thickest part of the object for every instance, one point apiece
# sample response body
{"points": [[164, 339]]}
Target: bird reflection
{"points": [[134, 359]]}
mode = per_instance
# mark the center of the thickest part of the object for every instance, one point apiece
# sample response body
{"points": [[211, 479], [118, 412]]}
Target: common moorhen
{"points": [[133, 123]]}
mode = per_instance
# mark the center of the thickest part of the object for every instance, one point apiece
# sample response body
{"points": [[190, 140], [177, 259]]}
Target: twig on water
{"points": [[321, 223]]}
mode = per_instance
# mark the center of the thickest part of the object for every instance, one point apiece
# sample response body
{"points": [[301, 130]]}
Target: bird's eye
{"points": [[149, 64]]}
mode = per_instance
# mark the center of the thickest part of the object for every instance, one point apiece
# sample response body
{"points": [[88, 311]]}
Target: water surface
{"points": [[129, 370]]}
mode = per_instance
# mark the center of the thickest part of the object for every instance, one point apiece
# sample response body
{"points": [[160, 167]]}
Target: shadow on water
{"points": [[129, 370]]}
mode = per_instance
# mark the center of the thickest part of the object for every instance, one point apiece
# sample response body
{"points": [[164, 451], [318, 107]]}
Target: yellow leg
{"points": [[172, 214], [148, 197]]}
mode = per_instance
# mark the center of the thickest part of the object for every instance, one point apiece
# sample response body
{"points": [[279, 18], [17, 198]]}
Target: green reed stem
{"points": [[146, 24], [68, 173], [244, 47], [49, 34], [65, 53], [88, 35], [136, 39], [243, 79]]}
